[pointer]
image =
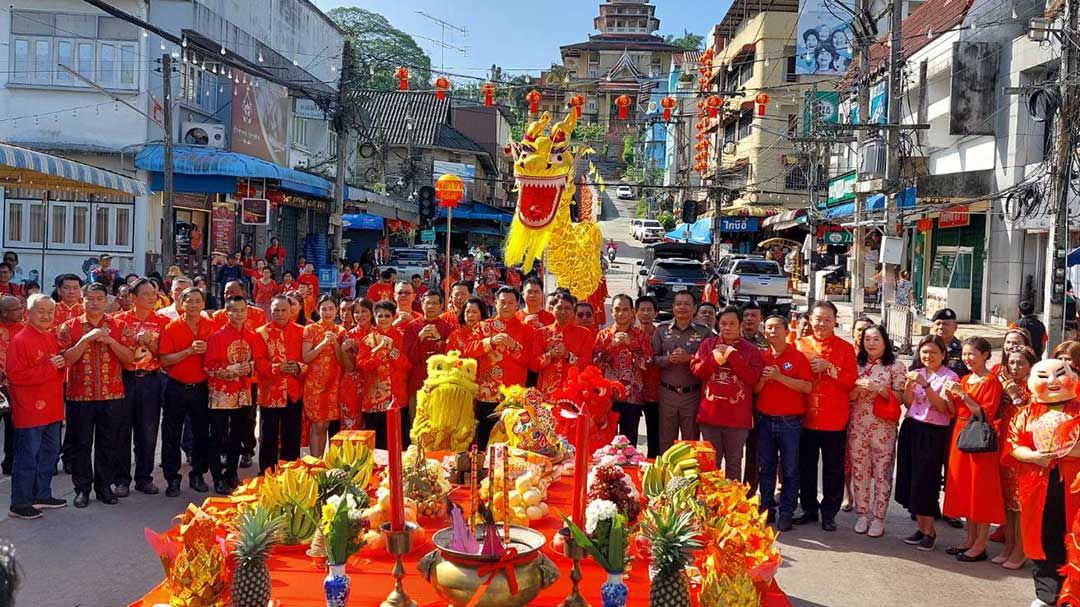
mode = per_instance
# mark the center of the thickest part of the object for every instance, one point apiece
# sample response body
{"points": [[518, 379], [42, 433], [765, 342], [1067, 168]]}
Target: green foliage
{"points": [[382, 48], [642, 209], [606, 545], [628, 149], [688, 41], [588, 132], [667, 220]]}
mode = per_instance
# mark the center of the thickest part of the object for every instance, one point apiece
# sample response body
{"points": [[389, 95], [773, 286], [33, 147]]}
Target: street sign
{"points": [[427, 235], [835, 238]]}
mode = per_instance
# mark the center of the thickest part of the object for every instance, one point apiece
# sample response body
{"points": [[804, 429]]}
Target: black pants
{"points": [[1054, 527], [226, 437], [93, 430], [652, 428], [830, 445], [484, 423], [279, 426], [247, 427], [750, 463], [9, 440], [376, 422], [138, 418], [68, 443], [183, 400], [629, 418]]}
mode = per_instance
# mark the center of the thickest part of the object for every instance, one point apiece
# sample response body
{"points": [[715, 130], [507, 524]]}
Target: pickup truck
{"points": [[743, 280], [414, 260], [650, 230]]}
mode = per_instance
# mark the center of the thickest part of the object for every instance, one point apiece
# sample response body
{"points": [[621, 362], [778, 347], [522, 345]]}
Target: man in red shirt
{"points": [[69, 286], [183, 353], [95, 348], [563, 345], [832, 361], [383, 290], [505, 348], [781, 402], [35, 376], [280, 367], [141, 416], [419, 288], [424, 337], [229, 366], [404, 298], [534, 314], [275, 253], [728, 367], [254, 319], [622, 352], [460, 292], [308, 277], [11, 315]]}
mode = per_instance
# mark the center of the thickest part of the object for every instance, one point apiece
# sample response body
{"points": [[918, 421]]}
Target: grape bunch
{"points": [[611, 483]]}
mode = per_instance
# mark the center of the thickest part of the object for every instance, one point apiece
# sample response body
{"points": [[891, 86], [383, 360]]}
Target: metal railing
{"points": [[898, 322]]}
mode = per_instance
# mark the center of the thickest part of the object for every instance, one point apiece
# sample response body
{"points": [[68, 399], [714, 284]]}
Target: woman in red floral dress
{"points": [[1015, 371], [352, 378], [320, 352], [385, 369]]}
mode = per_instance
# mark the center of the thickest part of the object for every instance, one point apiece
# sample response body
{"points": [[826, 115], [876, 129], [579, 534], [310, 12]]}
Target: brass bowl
{"points": [[456, 579]]}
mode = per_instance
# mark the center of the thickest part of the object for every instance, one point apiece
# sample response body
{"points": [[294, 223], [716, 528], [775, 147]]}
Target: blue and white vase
{"points": [[336, 586], [614, 592]]}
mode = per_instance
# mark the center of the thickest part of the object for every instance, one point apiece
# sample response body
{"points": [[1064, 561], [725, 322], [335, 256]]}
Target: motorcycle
{"points": [[611, 254]]}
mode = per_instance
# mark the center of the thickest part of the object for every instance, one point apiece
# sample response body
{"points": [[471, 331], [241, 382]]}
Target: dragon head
{"points": [[543, 164]]}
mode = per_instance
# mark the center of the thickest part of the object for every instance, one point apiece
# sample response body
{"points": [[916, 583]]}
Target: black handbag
{"points": [[978, 436]]}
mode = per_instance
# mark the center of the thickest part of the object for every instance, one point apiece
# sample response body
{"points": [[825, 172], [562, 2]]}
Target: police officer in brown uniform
{"points": [[674, 343]]}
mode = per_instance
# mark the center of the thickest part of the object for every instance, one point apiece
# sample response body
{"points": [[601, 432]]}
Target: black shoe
{"points": [[187, 457], [25, 512], [221, 487], [784, 524], [50, 503], [805, 518], [66, 467], [81, 500], [108, 498], [233, 481], [964, 558], [6, 470], [914, 538], [828, 525], [122, 490], [955, 550], [246, 461], [173, 489], [148, 488], [198, 484], [955, 523], [926, 544], [771, 516]]}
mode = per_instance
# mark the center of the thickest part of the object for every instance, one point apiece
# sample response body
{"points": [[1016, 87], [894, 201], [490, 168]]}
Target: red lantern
{"points": [[449, 189], [488, 91], [924, 225], [442, 83], [402, 75], [623, 103], [762, 99], [713, 104], [576, 102], [668, 103], [275, 196], [534, 97], [703, 81]]}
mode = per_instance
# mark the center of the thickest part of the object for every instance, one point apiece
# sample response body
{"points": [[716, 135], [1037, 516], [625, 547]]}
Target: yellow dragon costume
{"points": [[444, 405], [544, 173]]}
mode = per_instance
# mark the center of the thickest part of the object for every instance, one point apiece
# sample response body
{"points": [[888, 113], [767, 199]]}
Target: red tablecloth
{"points": [[297, 580]]}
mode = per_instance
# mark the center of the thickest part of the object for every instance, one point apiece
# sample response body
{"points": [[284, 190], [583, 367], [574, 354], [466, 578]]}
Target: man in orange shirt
{"points": [[280, 367], [460, 292], [424, 337], [563, 345], [781, 402], [229, 366], [69, 286], [254, 319], [142, 392], [35, 375], [183, 354], [11, 315], [834, 367], [534, 314], [383, 290], [95, 348]]}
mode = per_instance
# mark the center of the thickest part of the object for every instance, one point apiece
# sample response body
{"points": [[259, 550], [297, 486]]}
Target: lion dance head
{"points": [[444, 405]]}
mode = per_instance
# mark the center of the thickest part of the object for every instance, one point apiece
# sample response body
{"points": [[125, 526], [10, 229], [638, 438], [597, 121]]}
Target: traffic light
{"points": [[426, 200], [689, 211]]}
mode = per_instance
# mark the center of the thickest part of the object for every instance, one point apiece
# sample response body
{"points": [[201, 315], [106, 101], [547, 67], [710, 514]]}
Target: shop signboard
{"points": [[427, 236], [222, 227], [841, 189], [820, 107], [837, 238], [260, 121], [255, 211], [955, 217], [740, 224]]}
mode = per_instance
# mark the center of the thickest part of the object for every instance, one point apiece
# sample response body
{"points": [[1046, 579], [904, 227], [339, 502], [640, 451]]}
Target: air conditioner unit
{"points": [[872, 159], [203, 133]]}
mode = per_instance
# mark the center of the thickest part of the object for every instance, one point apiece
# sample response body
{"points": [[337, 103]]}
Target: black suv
{"points": [[669, 276]]}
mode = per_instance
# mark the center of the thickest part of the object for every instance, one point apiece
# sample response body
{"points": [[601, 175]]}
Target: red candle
{"points": [[581, 468], [397, 496]]}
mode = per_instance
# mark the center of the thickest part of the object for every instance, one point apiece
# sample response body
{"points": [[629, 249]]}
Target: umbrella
{"points": [[781, 242]]}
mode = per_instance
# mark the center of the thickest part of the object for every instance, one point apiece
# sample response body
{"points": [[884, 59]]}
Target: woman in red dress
{"points": [[472, 314], [1016, 369], [264, 289], [973, 481], [385, 368], [320, 353], [352, 384]]}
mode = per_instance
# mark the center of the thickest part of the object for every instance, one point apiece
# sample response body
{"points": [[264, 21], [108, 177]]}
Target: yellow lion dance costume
{"points": [[544, 172], [444, 405]]}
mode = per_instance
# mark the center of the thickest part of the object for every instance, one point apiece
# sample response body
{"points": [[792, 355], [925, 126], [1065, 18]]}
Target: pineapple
{"points": [[256, 531], [671, 534]]}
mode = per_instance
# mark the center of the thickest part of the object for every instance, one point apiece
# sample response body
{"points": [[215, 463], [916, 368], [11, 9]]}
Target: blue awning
{"points": [[478, 211], [1074, 257], [362, 221], [198, 160], [873, 203], [699, 232], [50, 171], [486, 230]]}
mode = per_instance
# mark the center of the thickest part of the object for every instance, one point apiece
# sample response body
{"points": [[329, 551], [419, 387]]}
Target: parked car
{"points": [[634, 225], [650, 230], [414, 260], [743, 280], [624, 192], [669, 276]]}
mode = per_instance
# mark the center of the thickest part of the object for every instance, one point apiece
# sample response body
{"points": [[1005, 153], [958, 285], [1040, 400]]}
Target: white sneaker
{"points": [[862, 524], [877, 528], [1038, 603]]}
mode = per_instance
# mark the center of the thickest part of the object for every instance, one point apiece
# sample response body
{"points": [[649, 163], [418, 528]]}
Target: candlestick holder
{"points": [[575, 552], [398, 544]]}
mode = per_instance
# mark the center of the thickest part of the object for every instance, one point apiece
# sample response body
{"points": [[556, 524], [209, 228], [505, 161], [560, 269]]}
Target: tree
{"points": [[555, 75], [382, 49], [628, 149], [688, 41]]}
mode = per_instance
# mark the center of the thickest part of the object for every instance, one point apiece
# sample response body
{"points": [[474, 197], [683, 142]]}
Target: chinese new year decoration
{"points": [[402, 75], [924, 225], [668, 103], [713, 105], [762, 99], [442, 83], [449, 189], [623, 103], [576, 102], [488, 91], [534, 97]]}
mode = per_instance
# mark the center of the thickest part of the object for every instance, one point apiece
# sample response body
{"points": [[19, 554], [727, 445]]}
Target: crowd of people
{"points": [[96, 371]]}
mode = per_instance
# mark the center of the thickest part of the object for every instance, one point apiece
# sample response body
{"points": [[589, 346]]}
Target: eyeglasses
{"points": [[404, 293]]}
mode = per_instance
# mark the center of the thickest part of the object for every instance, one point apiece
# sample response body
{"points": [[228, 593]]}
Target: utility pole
{"points": [[342, 122], [1054, 296], [168, 225], [892, 162], [858, 290]]}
